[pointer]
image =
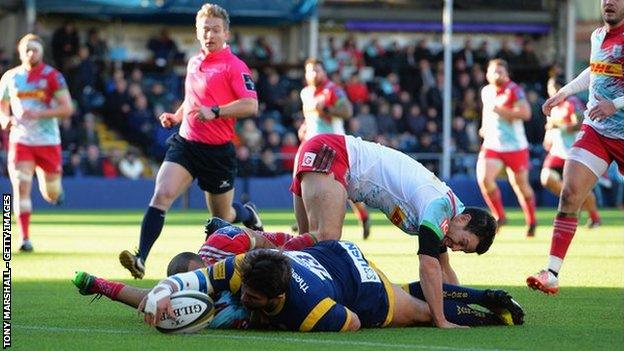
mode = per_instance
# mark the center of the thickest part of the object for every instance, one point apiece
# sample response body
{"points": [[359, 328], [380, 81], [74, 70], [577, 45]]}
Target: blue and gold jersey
{"points": [[326, 278]]}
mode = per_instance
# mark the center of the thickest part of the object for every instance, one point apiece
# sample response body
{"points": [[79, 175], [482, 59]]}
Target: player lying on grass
{"points": [[309, 284]]}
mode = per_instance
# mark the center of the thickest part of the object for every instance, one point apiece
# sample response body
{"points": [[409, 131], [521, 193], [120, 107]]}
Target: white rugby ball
{"points": [[193, 311]]}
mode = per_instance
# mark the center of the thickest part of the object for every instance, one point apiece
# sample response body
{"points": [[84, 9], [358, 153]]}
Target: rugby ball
{"points": [[193, 311]]}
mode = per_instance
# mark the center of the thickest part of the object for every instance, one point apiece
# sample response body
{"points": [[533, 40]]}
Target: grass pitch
{"points": [[49, 314]]}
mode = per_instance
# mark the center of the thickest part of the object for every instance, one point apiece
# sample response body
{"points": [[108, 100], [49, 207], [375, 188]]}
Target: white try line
{"points": [[218, 335]]}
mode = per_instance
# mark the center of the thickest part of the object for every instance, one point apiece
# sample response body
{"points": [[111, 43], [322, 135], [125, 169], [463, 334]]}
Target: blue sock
{"points": [[152, 225], [454, 292], [460, 313], [242, 214]]}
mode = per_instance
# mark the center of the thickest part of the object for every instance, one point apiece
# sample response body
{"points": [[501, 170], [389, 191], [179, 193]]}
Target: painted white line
{"points": [[219, 335]]}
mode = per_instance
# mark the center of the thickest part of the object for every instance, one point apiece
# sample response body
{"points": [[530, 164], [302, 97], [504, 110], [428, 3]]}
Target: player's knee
{"points": [[24, 205], [570, 198], [52, 190], [163, 197]]}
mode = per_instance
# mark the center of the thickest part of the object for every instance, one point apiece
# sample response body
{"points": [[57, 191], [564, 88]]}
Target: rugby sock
{"points": [[452, 292], [107, 288], [24, 223], [495, 203], [362, 212], [300, 242], [242, 214], [595, 217], [278, 239], [152, 225], [563, 232], [528, 207], [460, 313]]}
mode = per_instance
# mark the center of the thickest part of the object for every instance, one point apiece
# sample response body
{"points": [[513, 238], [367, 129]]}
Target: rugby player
{"points": [[561, 130], [333, 168], [218, 90], [600, 141], [328, 287], [505, 145], [38, 96], [348, 272]]}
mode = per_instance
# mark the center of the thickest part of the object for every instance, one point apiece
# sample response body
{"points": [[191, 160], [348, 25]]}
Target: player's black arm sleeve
{"points": [[428, 242]]}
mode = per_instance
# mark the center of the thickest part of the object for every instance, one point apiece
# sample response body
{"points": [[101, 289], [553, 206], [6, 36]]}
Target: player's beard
{"points": [[613, 20]]}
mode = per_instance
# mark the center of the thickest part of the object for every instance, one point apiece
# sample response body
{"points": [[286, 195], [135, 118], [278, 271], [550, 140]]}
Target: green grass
{"points": [[49, 314]]}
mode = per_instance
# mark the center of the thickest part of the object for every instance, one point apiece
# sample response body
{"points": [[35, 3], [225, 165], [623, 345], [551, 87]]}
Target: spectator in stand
{"points": [[87, 133], [477, 76], [140, 122], [163, 49], [527, 57], [274, 92], [97, 48], [69, 135], [251, 136], [427, 78], [131, 166], [65, 43], [110, 163], [136, 78], [92, 164], [385, 123], [535, 128], [357, 91], [367, 123], [261, 50], [237, 47], [415, 121], [506, 53], [288, 150], [482, 55], [159, 99], [246, 166], [467, 54], [269, 167], [435, 93], [118, 105], [291, 108], [397, 113], [82, 74], [273, 141], [459, 135], [73, 168], [373, 54], [422, 51]]}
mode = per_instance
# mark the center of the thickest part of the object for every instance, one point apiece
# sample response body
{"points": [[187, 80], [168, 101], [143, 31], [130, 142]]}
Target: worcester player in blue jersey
{"points": [[329, 287]]}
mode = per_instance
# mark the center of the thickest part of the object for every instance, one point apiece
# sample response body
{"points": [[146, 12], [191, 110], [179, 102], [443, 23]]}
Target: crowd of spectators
{"points": [[396, 91]]}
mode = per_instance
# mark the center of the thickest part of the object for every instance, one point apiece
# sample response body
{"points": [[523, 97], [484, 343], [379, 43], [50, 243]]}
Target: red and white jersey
{"points": [[402, 188], [607, 78], [560, 139], [33, 90], [213, 80], [331, 93], [499, 134]]}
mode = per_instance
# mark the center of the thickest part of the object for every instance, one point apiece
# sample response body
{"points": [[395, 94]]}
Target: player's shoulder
{"points": [[599, 31], [10, 73]]}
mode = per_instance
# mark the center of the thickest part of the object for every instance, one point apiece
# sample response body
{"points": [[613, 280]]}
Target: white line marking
{"points": [[218, 335]]}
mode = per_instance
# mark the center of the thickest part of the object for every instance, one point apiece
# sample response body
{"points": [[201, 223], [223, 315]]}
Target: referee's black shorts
{"points": [[214, 166]]}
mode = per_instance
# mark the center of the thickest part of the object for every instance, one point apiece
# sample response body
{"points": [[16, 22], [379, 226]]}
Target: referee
{"points": [[218, 90]]}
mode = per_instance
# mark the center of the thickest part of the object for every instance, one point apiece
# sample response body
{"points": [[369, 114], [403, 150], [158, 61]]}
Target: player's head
{"points": [[554, 84], [184, 262], [612, 12], [315, 73], [30, 49], [471, 231], [265, 276], [213, 27], [497, 72]]}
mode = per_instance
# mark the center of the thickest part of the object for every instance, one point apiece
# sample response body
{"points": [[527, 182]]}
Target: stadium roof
{"points": [[272, 12]]}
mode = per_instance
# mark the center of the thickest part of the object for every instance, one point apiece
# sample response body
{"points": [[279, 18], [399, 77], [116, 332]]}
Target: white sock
{"points": [[554, 263]]}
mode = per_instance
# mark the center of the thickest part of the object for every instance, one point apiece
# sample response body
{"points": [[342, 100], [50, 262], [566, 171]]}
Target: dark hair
{"points": [[266, 271], [314, 61], [499, 62], [557, 80], [180, 262], [483, 225]]}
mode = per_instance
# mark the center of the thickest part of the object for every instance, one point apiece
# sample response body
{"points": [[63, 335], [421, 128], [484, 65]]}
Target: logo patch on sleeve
{"points": [[308, 159], [249, 83]]}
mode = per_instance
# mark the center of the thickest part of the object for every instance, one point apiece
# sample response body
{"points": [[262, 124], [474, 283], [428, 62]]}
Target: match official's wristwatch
{"points": [[216, 110]]}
